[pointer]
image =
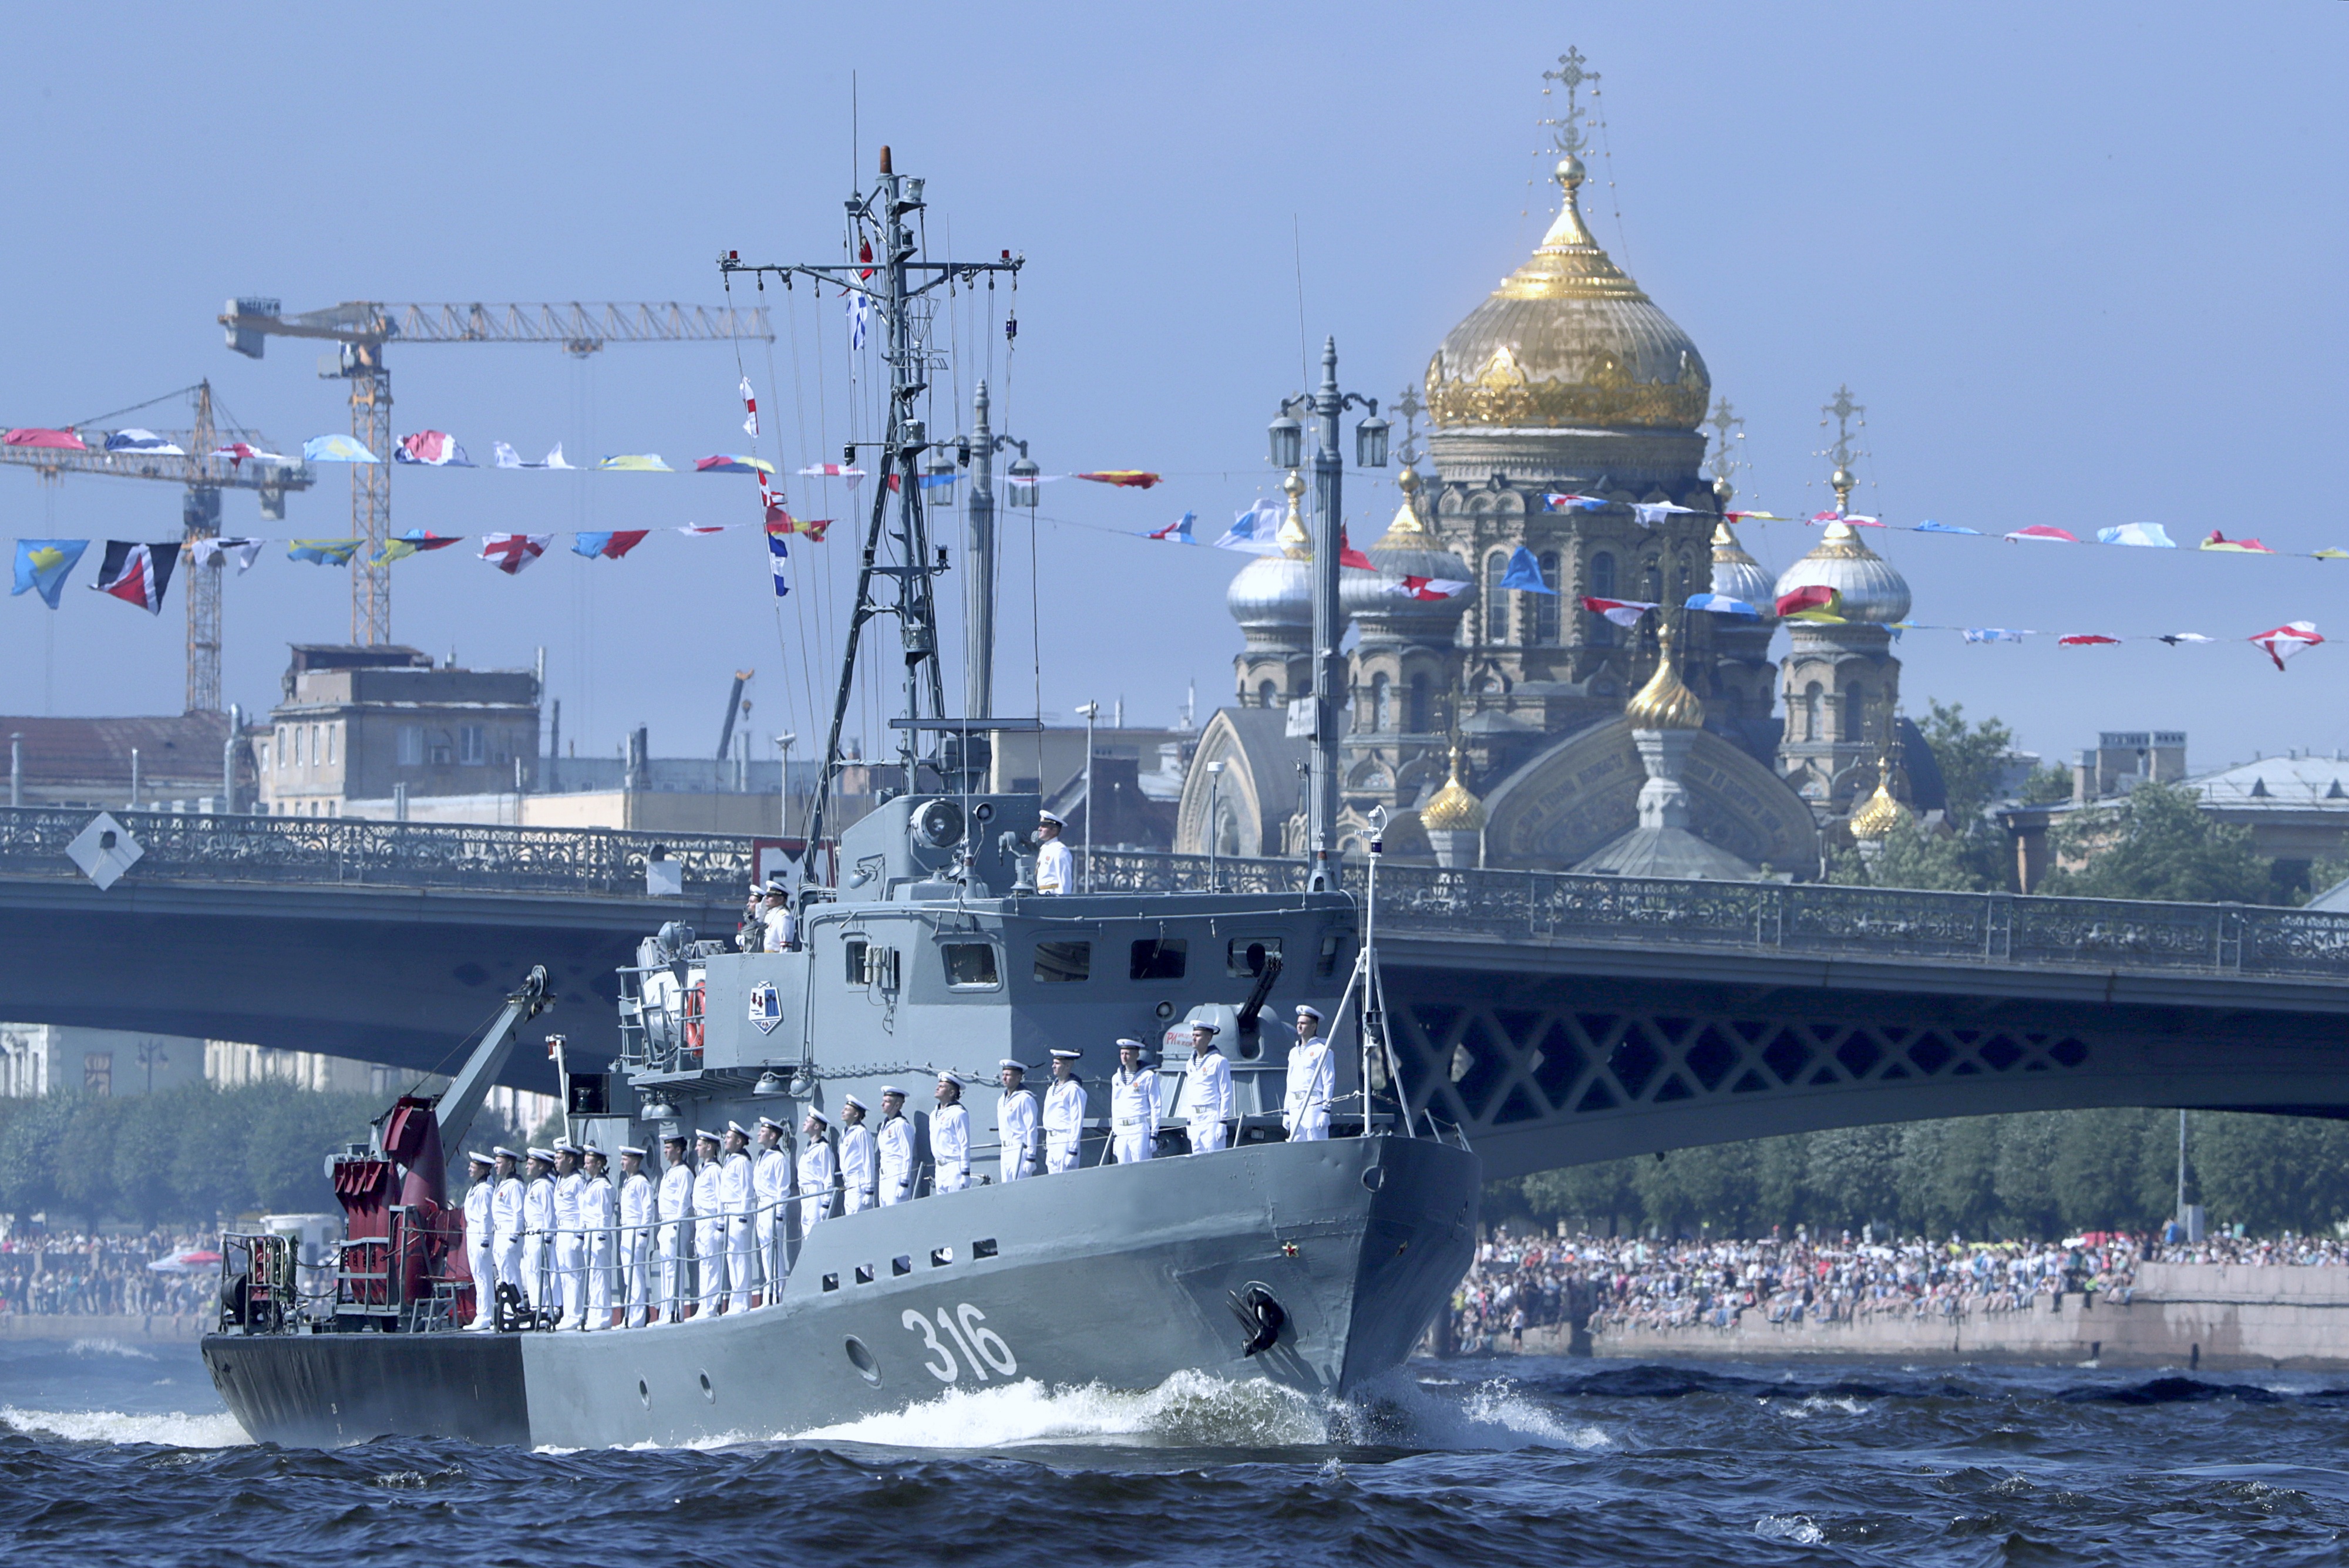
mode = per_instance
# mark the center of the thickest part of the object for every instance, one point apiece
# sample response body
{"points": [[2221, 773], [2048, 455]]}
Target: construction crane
{"points": [[363, 328], [204, 476]]}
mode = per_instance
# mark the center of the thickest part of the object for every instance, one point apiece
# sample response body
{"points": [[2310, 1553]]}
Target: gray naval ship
{"points": [[923, 946]]}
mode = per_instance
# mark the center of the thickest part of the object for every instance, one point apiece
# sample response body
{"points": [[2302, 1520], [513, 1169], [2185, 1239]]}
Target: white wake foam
{"points": [[218, 1430], [108, 1348]]}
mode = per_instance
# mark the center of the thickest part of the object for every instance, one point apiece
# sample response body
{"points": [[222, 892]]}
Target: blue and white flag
{"points": [[1525, 573], [777, 553], [1253, 532], [144, 442], [1177, 532], [860, 311], [1652, 514], [1992, 634], [42, 565], [1722, 604], [2150, 535]]}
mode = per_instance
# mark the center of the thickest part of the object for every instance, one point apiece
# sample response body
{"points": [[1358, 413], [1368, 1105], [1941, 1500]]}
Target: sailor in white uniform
{"points": [[537, 1227], [770, 1185], [896, 1144], [1206, 1091], [570, 1240], [675, 1217], [506, 1225], [859, 1167], [708, 1222], [779, 926], [1305, 1109], [480, 1253], [636, 1216], [1064, 1113], [1133, 1106], [949, 1137], [1055, 871], [817, 1170], [599, 1213], [738, 1192], [1015, 1123]]}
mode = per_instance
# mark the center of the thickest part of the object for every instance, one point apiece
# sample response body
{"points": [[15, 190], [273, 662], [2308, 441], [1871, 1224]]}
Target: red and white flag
{"points": [[750, 411], [2086, 639], [511, 551], [138, 574], [2042, 533], [834, 471], [1622, 612], [2281, 642], [1427, 589], [1349, 556], [696, 529]]}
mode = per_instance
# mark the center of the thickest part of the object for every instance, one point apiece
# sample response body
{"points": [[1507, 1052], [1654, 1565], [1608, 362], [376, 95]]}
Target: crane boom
{"points": [[363, 327]]}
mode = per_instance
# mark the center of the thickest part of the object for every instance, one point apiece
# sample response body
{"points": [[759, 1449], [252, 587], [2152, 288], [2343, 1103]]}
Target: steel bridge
{"points": [[1556, 1018]]}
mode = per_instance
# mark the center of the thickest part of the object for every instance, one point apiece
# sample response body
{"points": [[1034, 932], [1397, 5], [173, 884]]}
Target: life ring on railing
{"points": [[693, 1014]]}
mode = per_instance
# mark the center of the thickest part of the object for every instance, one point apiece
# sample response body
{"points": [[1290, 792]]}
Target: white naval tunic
{"points": [[710, 1233], [859, 1169], [570, 1249], [1133, 1113], [1015, 1123], [1305, 1109], [479, 1254], [951, 1148], [813, 1190], [738, 1194], [672, 1245], [636, 1216], [1055, 868], [771, 1184], [506, 1223], [599, 1210], [1207, 1100], [896, 1159], [537, 1223], [1064, 1124]]}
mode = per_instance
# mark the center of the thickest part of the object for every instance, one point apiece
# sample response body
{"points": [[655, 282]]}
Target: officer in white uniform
{"points": [[817, 1170], [537, 1228], [859, 1164], [782, 928], [896, 1143], [1064, 1114], [708, 1221], [570, 1239], [738, 1193], [770, 1185], [675, 1217], [1133, 1106], [1206, 1091], [599, 1213], [636, 1216], [1312, 1072], [949, 1137], [479, 1252], [1015, 1123], [1055, 871], [506, 1225]]}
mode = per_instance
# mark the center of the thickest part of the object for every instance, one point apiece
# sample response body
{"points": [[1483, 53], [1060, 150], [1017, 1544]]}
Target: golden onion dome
{"points": [[1452, 808], [1739, 575], [1665, 703], [1569, 339], [1296, 539], [1881, 813], [1872, 590]]}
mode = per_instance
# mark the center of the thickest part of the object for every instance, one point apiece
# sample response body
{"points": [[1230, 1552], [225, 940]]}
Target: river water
{"points": [[112, 1452]]}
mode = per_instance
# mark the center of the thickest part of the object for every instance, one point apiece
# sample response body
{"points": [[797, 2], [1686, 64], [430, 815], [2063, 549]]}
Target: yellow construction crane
{"points": [[363, 328], [193, 466]]}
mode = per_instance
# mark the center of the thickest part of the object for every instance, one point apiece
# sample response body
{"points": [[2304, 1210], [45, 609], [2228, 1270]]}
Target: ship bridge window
{"points": [[1060, 963], [1333, 948], [971, 965], [853, 954], [1246, 956], [1157, 957]]}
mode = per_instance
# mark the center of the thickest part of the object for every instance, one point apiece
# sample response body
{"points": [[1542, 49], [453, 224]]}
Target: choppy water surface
{"points": [[113, 1452]]}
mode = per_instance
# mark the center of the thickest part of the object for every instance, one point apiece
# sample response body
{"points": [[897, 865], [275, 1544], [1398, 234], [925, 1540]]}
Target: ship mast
{"points": [[899, 556]]}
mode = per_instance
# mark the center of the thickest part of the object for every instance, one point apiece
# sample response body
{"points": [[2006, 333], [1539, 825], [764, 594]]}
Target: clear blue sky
{"points": [[2080, 263]]}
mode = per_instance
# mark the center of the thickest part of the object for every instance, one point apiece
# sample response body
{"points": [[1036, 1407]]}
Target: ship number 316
{"points": [[965, 1328]]}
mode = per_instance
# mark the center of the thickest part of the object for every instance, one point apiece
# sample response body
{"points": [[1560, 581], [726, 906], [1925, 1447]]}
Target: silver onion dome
{"points": [[1739, 576], [1873, 592], [1407, 549], [1273, 594]]}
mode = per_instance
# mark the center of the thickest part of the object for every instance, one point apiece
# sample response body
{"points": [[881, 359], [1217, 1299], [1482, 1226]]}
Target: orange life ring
{"points": [[693, 1013]]}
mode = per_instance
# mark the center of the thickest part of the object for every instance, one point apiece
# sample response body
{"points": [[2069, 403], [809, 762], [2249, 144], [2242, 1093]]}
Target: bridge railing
{"points": [[216, 847], [1811, 919]]}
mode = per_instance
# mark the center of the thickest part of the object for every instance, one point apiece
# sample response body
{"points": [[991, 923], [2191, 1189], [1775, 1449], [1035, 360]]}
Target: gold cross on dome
{"points": [[1843, 411], [1728, 429], [1565, 130]]}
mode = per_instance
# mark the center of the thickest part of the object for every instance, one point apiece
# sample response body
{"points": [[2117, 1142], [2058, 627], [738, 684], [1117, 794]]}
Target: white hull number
{"points": [[981, 1346]]}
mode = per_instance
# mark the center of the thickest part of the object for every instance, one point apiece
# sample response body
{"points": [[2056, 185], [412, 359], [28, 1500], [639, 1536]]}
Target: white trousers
{"points": [[709, 1260], [1132, 1147], [1018, 1164], [775, 1259], [1312, 1127], [635, 1263], [951, 1179], [1060, 1157], [896, 1185], [569, 1258], [485, 1283], [508, 1251], [855, 1201], [1207, 1136], [815, 1209], [533, 1271], [741, 1247], [599, 1280], [671, 1250]]}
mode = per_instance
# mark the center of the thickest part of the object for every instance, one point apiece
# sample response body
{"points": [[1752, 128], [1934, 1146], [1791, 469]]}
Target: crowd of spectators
{"points": [[62, 1275], [1592, 1285]]}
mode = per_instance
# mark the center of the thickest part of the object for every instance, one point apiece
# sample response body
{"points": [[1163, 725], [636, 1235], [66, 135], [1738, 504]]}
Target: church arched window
{"points": [[1687, 579], [1602, 586], [1422, 721], [1546, 604], [1381, 705], [1855, 713], [1651, 578], [1267, 695], [1811, 695], [1496, 598]]}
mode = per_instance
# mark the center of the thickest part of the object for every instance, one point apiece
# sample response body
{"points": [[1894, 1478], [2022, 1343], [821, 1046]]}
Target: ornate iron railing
{"points": [[1810, 920], [183, 846]]}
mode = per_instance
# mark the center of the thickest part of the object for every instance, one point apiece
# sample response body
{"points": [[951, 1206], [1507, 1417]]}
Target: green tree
{"points": [[1912, 857], [1852, 1178], [2159, 846], [84, 1160], [2049, 785], [1602, 1196], [1971, 757], [29, 1146]]}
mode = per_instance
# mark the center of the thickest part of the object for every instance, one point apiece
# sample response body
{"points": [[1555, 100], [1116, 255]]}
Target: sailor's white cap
{"points": [[778, 888], [848, 1100], [593, 1149], [700, 1133], [818, 1118], [888, 1089], [503, 1152], [477, 1157], [1015, 1066], [564, 1145], [772, 1122], [1201, 1027], [542, 1154], [632, 1149], [1130, 1044], [1307, 1010], [1061, 1053], [737, 1128], [1051, 816], [951, 1076], [673, 1137]]}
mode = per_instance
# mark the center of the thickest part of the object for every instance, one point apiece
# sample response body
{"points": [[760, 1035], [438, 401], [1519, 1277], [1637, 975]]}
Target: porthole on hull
{"points": [[860, 1357]]}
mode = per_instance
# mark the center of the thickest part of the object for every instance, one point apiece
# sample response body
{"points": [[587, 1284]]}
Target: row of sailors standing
{"points": [[577, 1247]]}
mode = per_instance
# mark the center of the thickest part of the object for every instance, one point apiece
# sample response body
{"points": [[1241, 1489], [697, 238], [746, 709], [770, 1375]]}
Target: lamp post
{"points": [[1325, 406], [1215, 822], [1089, 712]]}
